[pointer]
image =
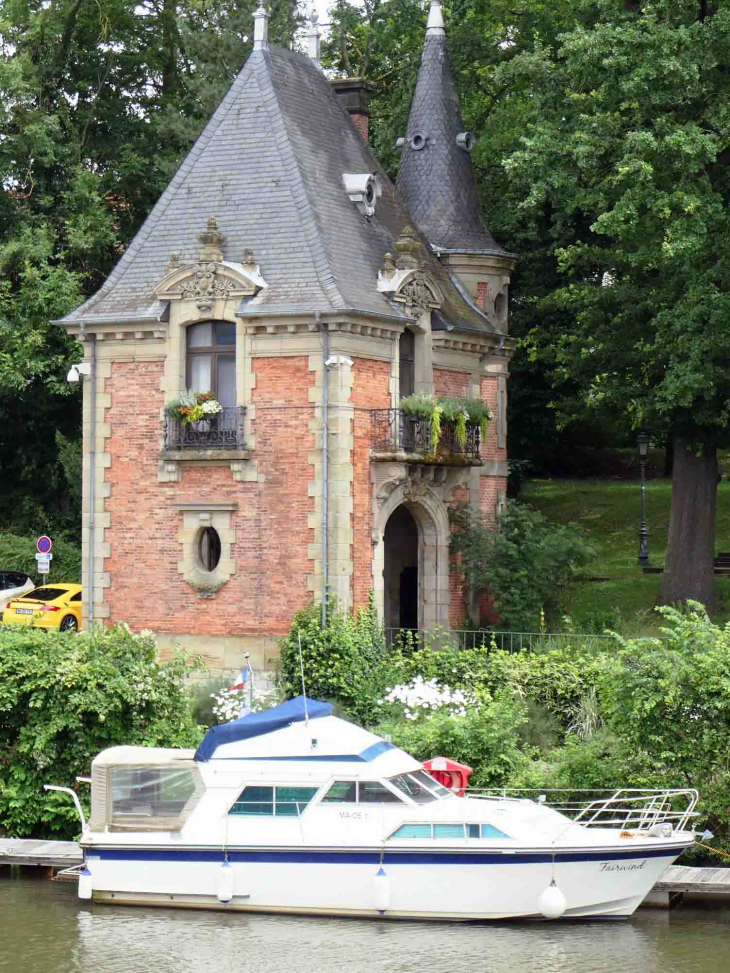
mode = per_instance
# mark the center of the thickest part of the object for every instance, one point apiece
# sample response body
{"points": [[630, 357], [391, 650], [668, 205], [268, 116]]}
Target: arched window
{"points": [[211, 360]]}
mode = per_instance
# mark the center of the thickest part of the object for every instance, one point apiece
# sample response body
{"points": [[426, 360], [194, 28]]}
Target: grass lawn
{"points": [[608, 512]]}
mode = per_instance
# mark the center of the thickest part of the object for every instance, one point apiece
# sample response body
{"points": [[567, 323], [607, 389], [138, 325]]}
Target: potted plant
{"points": [[451, 409], [191, 407]]}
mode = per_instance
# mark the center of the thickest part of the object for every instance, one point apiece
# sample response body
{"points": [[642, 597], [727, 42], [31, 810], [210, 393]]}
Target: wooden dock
{"points": [[44, 854]]}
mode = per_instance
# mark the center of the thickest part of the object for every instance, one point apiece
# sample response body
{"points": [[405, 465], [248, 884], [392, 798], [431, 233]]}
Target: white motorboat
{"points": [[296, 811]]}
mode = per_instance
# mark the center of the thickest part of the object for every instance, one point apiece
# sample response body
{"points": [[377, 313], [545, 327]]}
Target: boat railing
{"points": [[632, 809]]}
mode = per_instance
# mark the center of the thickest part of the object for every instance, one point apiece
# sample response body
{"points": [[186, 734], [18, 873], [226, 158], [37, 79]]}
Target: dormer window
{"points": [[211, 360]]}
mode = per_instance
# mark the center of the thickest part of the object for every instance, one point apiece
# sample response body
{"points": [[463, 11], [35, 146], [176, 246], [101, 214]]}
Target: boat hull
{"points": [[450, 885]]}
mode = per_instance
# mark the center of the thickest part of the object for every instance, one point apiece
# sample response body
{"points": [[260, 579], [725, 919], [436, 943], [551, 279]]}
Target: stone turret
{"points": [[436, 180]]}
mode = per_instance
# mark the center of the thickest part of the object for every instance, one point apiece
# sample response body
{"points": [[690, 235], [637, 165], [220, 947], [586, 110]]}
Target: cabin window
{"points": [[413, 831], [149, 796], [360, 792], [448, 831], [420, 787], [281, 801], [490, 832]]}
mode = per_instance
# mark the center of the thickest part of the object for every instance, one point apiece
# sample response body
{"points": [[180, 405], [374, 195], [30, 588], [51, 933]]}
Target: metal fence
{"points": [[411, 639], [397, 431], [221, 431]]}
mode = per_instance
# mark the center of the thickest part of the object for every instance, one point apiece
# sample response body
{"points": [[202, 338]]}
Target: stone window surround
{"points": [[196, 517], [183, 314]]}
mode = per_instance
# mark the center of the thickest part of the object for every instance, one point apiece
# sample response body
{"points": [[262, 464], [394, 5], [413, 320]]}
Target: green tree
{"points": [[626, 150], [524, 566], [98, 105]]}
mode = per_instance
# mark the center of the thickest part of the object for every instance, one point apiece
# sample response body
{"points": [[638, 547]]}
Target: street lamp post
{"points": [[642, 441]]}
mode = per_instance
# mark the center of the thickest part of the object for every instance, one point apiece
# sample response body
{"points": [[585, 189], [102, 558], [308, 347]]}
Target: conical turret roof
{"points": [[436, 177]]}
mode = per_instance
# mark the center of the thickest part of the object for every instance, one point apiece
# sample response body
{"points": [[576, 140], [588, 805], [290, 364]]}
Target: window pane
{"points": [[373, 792], [291, 801], [415, 790], [413, 831], [433, 785], [225, 334], [227, 381], [489, 832], [472, 830], [448, 830], [200, 336], [341, 792], [255, 801], [149, 792], [199, 369]]}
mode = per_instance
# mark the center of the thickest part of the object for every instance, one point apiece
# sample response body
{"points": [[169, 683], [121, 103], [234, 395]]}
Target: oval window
{"points": [[209, 548]]}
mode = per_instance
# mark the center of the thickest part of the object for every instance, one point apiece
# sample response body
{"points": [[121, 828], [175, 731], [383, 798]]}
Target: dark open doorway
{"points": [[400, 573]]}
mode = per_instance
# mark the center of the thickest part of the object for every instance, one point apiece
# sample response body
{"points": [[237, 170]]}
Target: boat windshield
{"points": [[420, 787]]}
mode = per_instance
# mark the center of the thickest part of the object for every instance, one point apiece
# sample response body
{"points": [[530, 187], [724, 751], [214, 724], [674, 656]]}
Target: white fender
{"points": [[85, 884], [225, 884], [381, 889], [552, 902]]}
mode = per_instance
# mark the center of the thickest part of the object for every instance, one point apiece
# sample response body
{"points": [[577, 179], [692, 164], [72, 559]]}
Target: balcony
{"points": [[224, 431], [396, 431]]}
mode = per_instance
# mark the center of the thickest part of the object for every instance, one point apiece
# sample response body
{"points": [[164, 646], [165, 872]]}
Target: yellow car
{"points": [[50, 606]]}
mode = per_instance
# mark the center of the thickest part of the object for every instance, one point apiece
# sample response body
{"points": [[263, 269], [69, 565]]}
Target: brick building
{"points": [[282, 271]]}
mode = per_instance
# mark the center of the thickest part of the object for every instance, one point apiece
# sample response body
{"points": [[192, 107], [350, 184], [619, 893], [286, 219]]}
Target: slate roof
{"points": [[269, 167], [437, 181]]}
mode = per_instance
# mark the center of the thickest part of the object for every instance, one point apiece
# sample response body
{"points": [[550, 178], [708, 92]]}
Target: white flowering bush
{"points": [[227, 703], [420, 697]]}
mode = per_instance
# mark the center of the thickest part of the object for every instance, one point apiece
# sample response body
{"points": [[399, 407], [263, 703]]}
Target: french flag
{"points": [[242, 679]]}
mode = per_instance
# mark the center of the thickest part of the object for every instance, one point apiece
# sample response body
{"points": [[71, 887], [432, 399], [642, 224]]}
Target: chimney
{"points": [[354, 94]]}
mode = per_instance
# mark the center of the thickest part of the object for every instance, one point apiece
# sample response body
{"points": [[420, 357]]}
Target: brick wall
{"points": [[447, 382], [272, 535], [371, 390]]}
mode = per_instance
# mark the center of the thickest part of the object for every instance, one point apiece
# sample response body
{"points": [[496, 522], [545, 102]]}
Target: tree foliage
{"points": [[98, 106], [524, 566]]}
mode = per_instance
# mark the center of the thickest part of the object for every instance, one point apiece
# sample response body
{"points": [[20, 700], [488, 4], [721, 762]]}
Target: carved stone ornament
{"points": [[207, 282], [408, 249], [205, 286], [212, 240], [417, 482], [418, 292]]}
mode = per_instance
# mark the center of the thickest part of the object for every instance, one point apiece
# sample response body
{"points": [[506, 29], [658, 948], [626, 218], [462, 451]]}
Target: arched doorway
{"points": [[400, 570]]}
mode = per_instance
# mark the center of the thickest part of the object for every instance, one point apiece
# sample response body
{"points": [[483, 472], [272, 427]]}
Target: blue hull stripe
{"points": [[392, 857]]}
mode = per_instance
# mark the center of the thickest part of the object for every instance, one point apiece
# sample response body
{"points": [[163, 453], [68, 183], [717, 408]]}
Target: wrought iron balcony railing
{"points": [[222, 431], [399, 431]]}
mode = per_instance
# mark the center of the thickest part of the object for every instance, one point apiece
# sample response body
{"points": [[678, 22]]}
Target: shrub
{"points": [[525, 566], [18, 554], [485, 738], [64, 698], [341, 661]]}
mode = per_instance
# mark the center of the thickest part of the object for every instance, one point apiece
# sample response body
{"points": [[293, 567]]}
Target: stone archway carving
{"points": [[423, 494]]}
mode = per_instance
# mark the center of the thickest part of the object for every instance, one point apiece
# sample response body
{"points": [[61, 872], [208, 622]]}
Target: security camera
{"points": [[363, 188], [334, 361], [246, 656], [76, 371]]}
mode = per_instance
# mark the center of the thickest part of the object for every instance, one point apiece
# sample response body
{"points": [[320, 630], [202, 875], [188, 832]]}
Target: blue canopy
{"points": [[256, 724]]}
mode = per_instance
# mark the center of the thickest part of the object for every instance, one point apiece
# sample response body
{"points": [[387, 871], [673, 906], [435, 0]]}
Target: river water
{"points": [[46, 929]]}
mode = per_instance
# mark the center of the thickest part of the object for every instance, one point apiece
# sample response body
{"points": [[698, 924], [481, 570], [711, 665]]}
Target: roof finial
{"points": [[435, 25], [313, 38], [260, 28]]}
